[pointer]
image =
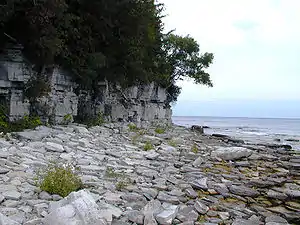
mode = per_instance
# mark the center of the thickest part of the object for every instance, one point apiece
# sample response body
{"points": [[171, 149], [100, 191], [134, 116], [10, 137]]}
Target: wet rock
{"points": [[243, 191], [231, 153], [197, 128]]}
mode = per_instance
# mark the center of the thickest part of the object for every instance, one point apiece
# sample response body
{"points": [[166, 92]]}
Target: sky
{"points": [[256, 44]]}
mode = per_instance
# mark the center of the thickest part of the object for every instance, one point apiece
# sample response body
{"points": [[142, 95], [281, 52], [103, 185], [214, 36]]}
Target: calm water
{"points": [[254, 130]]}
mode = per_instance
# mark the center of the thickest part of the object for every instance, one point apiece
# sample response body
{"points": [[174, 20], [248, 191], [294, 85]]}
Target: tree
{"points": [[182, 60]]}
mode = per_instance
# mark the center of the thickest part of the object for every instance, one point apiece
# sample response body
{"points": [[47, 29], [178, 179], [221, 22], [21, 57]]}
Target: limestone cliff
{"points": [[137, 103]]}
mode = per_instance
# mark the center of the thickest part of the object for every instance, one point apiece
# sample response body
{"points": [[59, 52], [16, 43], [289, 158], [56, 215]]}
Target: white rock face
{"points": [[231, 153], [79, 208]]}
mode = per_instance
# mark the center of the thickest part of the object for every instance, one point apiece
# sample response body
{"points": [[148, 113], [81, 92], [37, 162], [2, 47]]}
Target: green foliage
{"points": [[172, 143], [118, 41], [148, 146], [110, 173], [27, 122], [181, 60], [160, 130], [59, 179], [195, 149], [97, 120], [68, 119], [36, 88], [132, 127]]}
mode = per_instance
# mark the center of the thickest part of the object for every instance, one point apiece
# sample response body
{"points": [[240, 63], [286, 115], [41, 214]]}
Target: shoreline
{"points": [[186, 177]]}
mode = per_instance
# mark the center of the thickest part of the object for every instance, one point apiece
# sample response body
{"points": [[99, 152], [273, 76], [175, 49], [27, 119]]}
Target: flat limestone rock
{"points": [[231, 153], [4, 220], [77, 208]]}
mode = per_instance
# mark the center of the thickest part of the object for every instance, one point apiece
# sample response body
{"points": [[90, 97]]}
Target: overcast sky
{"points": [[256, 44]]}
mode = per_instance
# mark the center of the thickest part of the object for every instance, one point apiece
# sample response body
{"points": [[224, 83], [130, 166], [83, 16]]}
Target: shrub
{"points": [[27, 122], [132, 127], [148, 146], [195, 149], [160, 130], [68, 119], [59, 179], [172, 143]]}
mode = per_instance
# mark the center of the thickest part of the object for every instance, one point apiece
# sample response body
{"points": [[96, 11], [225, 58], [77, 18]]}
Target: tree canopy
{"points": [[117, 40]]}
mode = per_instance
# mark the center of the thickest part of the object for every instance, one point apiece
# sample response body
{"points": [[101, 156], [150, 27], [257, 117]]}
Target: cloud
{"points": [[255, 43]]}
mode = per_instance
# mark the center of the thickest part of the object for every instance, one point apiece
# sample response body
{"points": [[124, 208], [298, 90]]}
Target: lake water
{"points": [[253, 130]]}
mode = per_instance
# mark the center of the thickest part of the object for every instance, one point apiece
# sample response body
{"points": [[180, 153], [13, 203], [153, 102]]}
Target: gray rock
{"points": [[275, 219], [243, 222], [45, 196], [199, 161], [152, 208], [108, 211], [200, 184], [12, 195], [187, 213], [54, 147], [162, 196], [191, 193], [200, 207], [167, 215], [4, 220], [293, 193], [32, 135], [243, 191], [231, 153], [4, 171], [277, 195], [135, 216], [152, 155], [149, 193], [77, 208]]}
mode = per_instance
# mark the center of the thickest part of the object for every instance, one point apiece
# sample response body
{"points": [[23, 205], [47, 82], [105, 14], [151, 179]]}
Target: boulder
{"points": [[77, 208], [231, 153], [197, 128]]}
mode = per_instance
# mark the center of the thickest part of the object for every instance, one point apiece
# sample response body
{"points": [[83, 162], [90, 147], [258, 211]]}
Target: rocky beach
{"points": [[149, 176]]}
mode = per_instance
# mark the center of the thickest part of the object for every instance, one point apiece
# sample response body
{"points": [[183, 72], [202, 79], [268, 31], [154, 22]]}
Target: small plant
{"points": [[59, 179], [120, 185], [68, 119], [148, 146], [172, 143], [195, 149], [132, 127], [99, 120], [111, 173], [160, 130]]}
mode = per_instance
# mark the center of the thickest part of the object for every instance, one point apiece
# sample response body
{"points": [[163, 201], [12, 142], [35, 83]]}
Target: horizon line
{"points": [[242, 117]]}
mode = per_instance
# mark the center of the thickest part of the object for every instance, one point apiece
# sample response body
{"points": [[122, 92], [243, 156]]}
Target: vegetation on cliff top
{"points": [[118, 40]]}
